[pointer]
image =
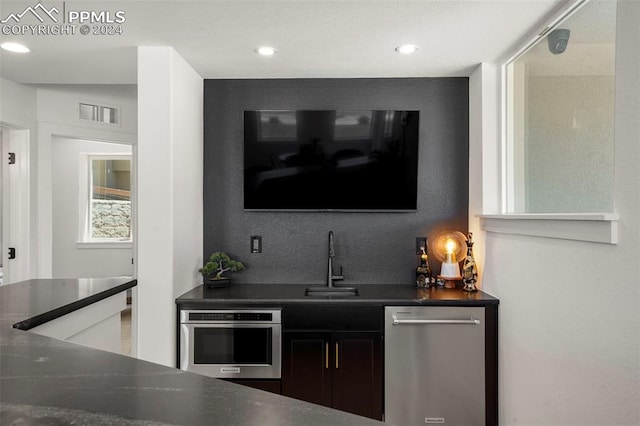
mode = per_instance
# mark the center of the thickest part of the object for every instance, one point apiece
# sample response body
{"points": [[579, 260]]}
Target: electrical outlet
{"points": [[421, 244], [256, 244]]}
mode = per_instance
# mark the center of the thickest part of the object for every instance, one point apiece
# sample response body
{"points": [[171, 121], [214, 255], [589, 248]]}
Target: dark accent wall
{"points": [[373, 248]]}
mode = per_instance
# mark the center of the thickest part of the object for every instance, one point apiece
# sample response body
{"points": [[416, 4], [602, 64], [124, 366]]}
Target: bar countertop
{"points": [[369, 294], [49, 381]]}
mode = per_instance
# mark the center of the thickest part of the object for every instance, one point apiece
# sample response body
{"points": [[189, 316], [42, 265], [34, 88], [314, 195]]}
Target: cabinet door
{"points": [[306, 370], [357, 373]]}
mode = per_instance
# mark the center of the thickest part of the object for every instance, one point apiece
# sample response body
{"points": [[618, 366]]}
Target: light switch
{"points": [[256, 244], [421, 244]]}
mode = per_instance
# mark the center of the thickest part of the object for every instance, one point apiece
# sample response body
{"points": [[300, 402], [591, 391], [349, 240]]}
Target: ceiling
{"points": [[314, 39]]}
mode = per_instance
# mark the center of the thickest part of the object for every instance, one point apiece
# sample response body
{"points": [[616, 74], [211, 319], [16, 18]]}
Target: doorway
{"points": [[91, 208]]}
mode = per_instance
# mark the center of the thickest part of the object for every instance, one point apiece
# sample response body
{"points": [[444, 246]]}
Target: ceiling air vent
{"points": [[98, 113]]}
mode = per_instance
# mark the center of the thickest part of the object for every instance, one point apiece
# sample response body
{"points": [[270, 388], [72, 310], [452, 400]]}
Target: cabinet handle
{"points": [[336, 355], [473, 321], [326, 355]]}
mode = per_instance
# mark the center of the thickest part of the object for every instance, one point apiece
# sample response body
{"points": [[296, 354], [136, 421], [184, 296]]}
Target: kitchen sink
{"points": [[331, 292]]}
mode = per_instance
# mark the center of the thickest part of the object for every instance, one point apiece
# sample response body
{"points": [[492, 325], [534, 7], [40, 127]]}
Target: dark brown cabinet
{"points": [[306, 367], [357, 377], [339, 369]]}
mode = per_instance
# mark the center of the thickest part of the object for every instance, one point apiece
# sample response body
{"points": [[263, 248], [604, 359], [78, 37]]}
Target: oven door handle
{"points": [[185, 351]]}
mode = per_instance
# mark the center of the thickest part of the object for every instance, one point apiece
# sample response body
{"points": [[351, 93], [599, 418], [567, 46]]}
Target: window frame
{"points": [[85, 210], [100, 105], [600, 227]]}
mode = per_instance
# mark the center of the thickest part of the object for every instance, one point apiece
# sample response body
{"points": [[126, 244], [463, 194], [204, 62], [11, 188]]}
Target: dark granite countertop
{"points": [[369, 294], [41, 300], [53, 382]]}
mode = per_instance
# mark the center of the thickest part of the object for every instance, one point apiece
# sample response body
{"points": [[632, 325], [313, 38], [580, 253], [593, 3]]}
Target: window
{"points": [[560, 116], [109, 207], [558, 155], [98, 113]]}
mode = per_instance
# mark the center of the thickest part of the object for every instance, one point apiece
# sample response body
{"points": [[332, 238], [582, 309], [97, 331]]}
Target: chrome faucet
{"points": [[332, 253]]}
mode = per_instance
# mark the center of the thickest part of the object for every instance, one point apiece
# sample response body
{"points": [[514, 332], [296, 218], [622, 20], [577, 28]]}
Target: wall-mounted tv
{"points": [[331, 160]]}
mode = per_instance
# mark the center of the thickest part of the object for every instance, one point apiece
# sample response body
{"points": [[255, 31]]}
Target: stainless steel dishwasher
{"points": [[434, 365]]}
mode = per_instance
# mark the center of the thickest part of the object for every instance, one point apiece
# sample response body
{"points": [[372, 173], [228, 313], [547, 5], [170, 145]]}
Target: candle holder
{"points": [[449, 247]]}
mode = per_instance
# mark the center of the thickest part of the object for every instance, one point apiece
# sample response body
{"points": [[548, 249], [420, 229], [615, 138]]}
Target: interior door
{"points": [[16, 212]]}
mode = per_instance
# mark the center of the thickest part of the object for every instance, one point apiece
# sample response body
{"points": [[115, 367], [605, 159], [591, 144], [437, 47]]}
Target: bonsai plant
{"points": [[219, 263]]}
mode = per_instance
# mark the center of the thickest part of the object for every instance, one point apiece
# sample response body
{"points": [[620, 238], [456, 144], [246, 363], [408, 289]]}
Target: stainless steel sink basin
{"points": [[331, 292]]}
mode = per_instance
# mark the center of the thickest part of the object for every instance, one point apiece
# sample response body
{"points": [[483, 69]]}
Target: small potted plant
{"points": [[219, 263]]}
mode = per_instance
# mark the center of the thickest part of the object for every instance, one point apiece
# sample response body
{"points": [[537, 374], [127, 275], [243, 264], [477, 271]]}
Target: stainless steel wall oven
{"points": [[238, 343]]}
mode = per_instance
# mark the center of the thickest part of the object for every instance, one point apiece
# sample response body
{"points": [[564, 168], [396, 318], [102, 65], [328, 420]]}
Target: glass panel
{"points": [[234, 346], [99, 113], [561, 117], [109, 115], [89, 112], [111, 199]]}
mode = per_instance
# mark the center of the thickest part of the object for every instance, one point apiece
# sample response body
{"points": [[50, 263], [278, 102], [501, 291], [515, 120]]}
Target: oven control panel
{"points": [[270, 316]]}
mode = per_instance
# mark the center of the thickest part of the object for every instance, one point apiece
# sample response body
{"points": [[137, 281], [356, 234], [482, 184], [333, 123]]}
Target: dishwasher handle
{"points": [[473, 321]]}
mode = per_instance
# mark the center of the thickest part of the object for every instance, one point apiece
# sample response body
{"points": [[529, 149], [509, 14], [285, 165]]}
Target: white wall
{"points": [[569, 311], [169, 176], [17, 104], [484, 154], [57, 116], [58, 104], [70, 261]]}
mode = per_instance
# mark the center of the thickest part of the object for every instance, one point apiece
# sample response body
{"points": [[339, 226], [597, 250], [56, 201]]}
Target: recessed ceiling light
{"points": [[406, 49], [266, 50], [15, 47]]}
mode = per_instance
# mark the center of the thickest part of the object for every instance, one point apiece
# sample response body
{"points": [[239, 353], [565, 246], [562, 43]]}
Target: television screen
{"points": [[330, 160]]}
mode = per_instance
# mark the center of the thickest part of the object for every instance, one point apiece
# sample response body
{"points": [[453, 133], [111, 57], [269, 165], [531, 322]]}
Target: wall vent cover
{"points": [[98, 113]]}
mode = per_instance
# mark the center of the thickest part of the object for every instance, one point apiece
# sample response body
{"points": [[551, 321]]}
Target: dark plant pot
{"points": [[219, 283]]}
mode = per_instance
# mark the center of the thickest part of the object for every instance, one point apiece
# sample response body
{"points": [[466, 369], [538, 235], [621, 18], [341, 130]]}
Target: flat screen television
{"points": [[331, 160]]}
